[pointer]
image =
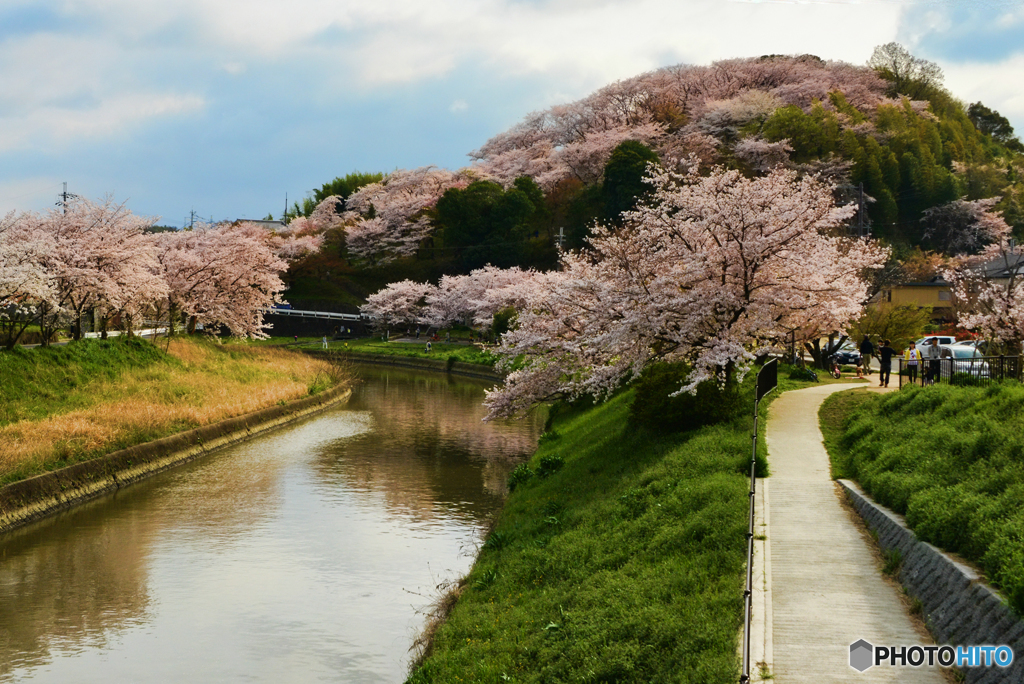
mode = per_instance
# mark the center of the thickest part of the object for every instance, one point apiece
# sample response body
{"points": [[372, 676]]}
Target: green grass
{"points": [[951, 459], [62, 405], [620, 556], [439, 350], [831, 420], [44, 380]]}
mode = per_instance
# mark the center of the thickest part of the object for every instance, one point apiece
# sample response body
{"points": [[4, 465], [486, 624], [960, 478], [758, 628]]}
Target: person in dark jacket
{"points": [[885, 354], [867, 350]]}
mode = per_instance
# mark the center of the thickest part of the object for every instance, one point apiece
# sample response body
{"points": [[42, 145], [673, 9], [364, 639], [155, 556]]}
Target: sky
{"points": [[224, 107]]}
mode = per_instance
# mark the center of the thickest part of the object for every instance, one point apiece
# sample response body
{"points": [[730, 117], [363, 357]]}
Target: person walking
{"points": [[325, 341], [867, 350], [913, 358], [885, 354], [934, 356]]}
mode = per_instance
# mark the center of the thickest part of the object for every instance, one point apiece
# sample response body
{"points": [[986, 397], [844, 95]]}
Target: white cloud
{"points": [[997, 85], [40, 191], [458, 106], [55, 89]]}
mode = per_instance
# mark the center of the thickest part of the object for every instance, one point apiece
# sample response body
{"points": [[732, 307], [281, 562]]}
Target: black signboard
{"points": [[767, 378]]}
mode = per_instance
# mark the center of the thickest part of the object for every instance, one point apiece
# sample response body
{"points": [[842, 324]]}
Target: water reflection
{"points": [[299, 556]]}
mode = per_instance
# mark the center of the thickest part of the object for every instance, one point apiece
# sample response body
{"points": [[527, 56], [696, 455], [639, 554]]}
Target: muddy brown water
{"points": [[306, 555]]}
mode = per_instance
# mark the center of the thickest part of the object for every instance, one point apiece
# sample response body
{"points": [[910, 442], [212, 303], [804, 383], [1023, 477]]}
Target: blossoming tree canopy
{"points": [[226, 275], [710, 272]]}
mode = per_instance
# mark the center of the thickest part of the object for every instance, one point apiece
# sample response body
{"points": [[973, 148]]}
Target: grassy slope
{"points": [[625, 565], [61, 405], [439, 350], [949, 458]]}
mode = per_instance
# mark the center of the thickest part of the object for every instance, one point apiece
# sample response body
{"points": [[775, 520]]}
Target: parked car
{"points": [[965, 360], [848, 355], [943, 340]]}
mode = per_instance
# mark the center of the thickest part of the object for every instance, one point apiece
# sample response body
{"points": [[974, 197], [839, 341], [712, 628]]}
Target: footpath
{"points": [[821, 588]]}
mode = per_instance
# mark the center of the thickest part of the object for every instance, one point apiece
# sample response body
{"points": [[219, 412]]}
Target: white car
{"points": [[943, 340], [965, 359]]}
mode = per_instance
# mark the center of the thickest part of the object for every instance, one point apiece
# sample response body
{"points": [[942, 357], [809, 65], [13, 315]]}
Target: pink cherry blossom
{"points": [[713, 271]]}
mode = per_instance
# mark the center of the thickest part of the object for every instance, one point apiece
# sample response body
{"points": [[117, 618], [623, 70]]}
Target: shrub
{"points": [[521, 474], [654, 408], [549, 463]]}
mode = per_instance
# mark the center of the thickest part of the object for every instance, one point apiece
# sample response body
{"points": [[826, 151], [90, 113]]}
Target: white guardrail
{"points": [[330, 315]]}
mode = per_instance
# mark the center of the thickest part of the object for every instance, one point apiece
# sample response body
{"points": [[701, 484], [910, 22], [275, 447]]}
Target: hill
{"points": [[887, 134]]}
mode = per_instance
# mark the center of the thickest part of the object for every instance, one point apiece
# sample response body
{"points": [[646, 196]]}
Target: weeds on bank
{"points": [[61, 405], [951, 459], [619, 557]]}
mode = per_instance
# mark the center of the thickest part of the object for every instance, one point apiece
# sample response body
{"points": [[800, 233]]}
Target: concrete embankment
{"points": [[440, 365], [958, 607], [28, 500]]}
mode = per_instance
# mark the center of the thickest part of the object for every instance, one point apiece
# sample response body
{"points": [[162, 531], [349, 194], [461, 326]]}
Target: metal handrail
{"points": [[762, 387], [330, 315]]}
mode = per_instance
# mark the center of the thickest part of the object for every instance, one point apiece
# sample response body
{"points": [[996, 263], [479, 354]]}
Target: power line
{"points": [[64, 197]]}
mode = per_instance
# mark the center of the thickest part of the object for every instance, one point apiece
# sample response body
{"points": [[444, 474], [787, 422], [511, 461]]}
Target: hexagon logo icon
{"points": [[861, 655]]}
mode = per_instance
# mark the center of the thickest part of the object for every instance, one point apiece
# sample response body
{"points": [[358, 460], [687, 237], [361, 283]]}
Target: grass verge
{"points": [[62, 405], [619, 556], [466, 353], [951, 459]]}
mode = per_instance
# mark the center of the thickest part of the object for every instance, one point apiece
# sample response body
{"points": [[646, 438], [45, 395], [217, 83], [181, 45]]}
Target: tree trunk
{"points": [[822, 355]]}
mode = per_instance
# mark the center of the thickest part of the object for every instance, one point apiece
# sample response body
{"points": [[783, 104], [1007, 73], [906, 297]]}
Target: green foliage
{"points": [[549, 463], [503, 321], [990, 122], [486, 224], [623, 185], [898, 324], [655, 409], [949, 458], [343, 186], [521, 474]]}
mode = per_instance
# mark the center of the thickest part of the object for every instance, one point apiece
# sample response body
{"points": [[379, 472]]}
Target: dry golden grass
{"points": [[202, 384]]}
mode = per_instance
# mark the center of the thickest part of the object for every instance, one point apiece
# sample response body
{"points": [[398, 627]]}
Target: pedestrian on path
{"points": [[913, 357], [325, 341], [867, 350], [934, 356], [885, 354]]}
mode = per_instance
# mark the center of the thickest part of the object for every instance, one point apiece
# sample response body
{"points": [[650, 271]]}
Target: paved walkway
{"points": [[824, 589]]}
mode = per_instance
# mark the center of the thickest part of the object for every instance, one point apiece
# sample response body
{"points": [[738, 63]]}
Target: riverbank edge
{"points": [[956, 604], [32, 499], [468, 370]]}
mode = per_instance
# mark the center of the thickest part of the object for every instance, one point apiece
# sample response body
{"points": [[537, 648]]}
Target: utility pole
{"points": [[861, 227], [561, 237], [284, 216], [64, 197]]}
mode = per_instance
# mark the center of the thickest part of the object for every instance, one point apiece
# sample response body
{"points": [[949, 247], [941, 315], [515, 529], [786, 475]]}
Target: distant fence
{"points": [[978, 370]]}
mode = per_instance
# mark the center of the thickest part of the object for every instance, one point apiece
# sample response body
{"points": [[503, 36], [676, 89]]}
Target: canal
{"points": [[306, 555]]}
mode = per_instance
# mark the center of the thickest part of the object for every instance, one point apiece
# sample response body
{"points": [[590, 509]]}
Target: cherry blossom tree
{"points": [[25, 285], [655, 108], [221, 275], [399, 303], [987, 283], [99, 257], [711, 272], [389, 219], [964, 227]]}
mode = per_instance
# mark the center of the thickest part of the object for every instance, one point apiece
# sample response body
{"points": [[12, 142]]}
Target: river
{"points": [[306, 555]]}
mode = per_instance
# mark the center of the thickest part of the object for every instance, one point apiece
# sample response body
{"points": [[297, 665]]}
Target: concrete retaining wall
{"points": [[28, 500], [958, 607]]}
